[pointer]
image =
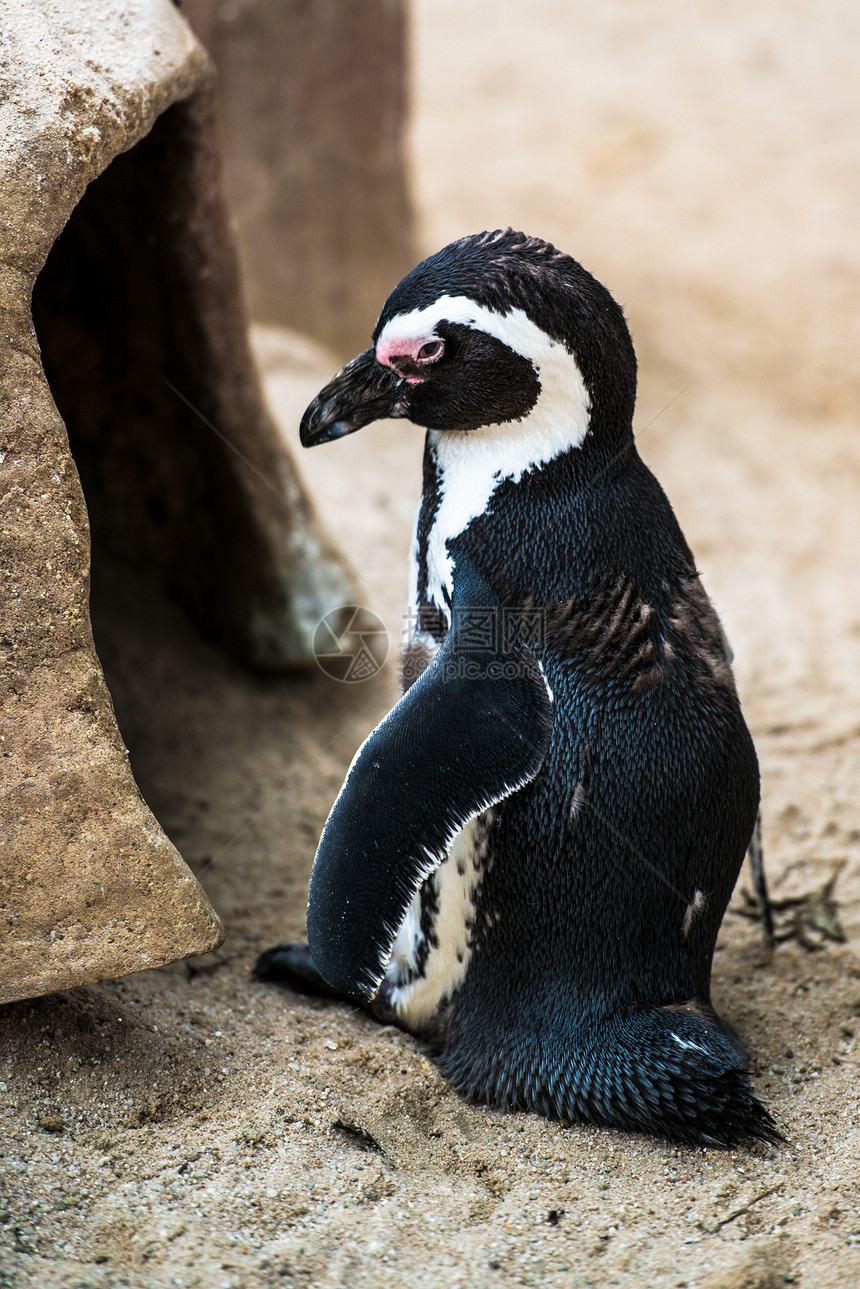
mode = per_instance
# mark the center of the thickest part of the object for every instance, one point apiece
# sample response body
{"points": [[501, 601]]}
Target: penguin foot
{"points": [[292, 964], [665, 1072]]}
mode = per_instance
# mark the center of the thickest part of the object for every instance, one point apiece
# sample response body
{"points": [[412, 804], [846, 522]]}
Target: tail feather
{"points": [[672, 1074]]}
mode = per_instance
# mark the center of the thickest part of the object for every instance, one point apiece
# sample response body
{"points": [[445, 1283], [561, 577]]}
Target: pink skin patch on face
{"points": [[420, 351]]}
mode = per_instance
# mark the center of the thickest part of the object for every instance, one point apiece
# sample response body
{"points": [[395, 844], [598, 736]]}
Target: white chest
{"points": [[471, 467], [418, 993]]}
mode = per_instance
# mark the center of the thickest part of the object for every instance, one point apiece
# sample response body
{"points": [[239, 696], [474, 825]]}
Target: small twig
{"points": [[826, 892], [361, 1137], [744, 1208]]}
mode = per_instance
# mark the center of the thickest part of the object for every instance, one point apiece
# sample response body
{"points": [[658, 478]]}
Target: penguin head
{"points": [[498, 334]]}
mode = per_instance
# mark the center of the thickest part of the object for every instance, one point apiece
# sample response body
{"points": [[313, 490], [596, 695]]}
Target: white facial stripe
{"points": [[514, 329], [473, 464]]}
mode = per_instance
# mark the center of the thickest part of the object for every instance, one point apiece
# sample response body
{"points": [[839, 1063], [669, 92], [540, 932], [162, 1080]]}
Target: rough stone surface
{"points": [[91, 886], [145, 346], [312, 102]]}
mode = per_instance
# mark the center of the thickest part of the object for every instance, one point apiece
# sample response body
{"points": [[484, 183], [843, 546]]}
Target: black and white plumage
{"points": [[531, 855]]}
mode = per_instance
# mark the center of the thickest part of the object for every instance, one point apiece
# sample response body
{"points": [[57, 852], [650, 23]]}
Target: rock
{"points": [[312, 104], [52, 1123], [140, 287]]}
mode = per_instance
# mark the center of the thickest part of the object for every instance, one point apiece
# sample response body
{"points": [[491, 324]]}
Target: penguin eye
{"points": [[429, 352]]}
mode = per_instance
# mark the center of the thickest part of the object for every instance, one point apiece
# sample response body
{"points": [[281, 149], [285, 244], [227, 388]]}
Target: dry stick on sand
{"points": [[713, 1227]]}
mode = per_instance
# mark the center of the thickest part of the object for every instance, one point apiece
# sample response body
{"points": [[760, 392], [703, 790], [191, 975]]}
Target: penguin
{"points": [[531, 855]]}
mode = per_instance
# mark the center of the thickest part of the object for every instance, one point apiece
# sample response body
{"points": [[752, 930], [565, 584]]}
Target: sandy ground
{"points": [[191, 1127]]}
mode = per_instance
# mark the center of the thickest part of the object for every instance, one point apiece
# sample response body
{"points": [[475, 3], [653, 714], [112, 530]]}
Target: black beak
{"points": [[362, 392]]}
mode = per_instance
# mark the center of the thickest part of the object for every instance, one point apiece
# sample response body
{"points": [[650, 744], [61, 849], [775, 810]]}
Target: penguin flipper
{"points": [[474, 728]]}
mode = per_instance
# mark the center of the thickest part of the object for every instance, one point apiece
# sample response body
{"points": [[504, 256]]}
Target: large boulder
{"points": [[114, 224], [312, 102]]}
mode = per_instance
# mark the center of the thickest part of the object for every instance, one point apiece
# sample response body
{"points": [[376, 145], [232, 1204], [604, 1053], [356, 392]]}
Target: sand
{"points": [[193, 1127]]}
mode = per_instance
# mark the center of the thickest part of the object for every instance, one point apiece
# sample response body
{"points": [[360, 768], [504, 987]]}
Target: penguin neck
{"points": [[463, 471], [470, 465]]}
